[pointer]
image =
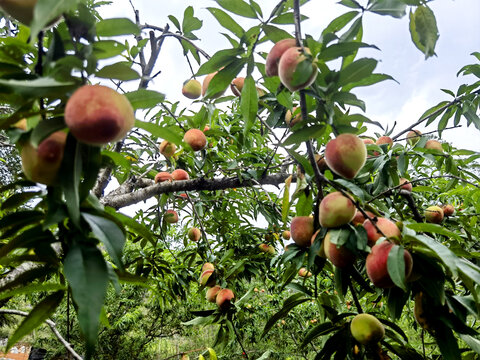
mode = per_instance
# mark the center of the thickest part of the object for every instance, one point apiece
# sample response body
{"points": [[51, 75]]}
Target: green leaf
{"points": [[45, 128], [447, 343], [144, 99], [116, 27], [29, 289], [356, 71], [224, 77], [19, 219], [109, 233], [249, 103], [167, 133], [342, 50], [340, 22], [286, 18], [423, 30], [18, 199], [28, 239], [472, 342], [286, 200], [87, 273], [226, 21], [70, 180], [48, 10], [443, 254], [118, 158], [120, 71], [392, 8], [37, 316], [319, 330], [396, 266], [105, 49], [275, 34], [238, 7], [42, 87], [434, 228], [369, 80], [190, 23], [218, 60]]}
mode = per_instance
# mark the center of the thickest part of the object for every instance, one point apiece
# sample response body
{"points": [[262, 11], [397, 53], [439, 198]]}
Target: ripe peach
{"points": [[406, 184], [97, 115], [208, 266], [163, 176], [196, 139], [206, 278], [180, 174], [345, 155], [367, 141], [183, 196], [273, 57], [448, 210], [167, 148], [376, 265], [192, 89], [413, 136], [301, 229], [434, 145], [340, 256], [385, 140], [225, 299], [303, 272], [336, 210], [212, 293], [359, 219], [286, 235], [42, 164], [434, 214], [295, 70], [206, 128], [269, 249], [388, 227], [237, 85], [194, 234], [367, 329], [205, 84], [296, 119], [171, 216]]}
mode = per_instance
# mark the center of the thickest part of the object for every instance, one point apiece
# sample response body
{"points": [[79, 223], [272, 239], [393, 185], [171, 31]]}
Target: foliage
{"points": [[137, 277]]}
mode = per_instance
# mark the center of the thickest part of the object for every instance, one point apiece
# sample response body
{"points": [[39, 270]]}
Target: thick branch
{"points": [[118, 199], [52, 326]]}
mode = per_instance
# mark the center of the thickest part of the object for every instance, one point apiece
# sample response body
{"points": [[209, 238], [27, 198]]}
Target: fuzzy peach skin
{"points": [[290, 74], [345, 155], [301, 230], [97, 115], [336, 210], [388, 228], [196, 139], [273, 57]]}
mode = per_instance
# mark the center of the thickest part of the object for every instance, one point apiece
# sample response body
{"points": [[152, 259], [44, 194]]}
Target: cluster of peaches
{"points": [[215, 294]]}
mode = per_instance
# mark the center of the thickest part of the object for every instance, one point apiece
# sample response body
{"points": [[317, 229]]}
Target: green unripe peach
{"points": [[269, 249], [192, 89], [194, 234], [171, 216], [413, 136], [167, 148], [434, 145], [434, 214], [367, 329]]}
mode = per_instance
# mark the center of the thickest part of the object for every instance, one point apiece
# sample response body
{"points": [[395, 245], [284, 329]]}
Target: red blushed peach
{"points": [[339, 256], [359, 219], [167, 148], [42, 164], [388, 227], [345, 155], [194, 234], [269, 249], [321, 163], [196, 139], [295, 70], [97, 115], [171, 216], [376, 265], [212, 293], [205, 84], [303, 272], [434, 214], [237, 85], [413, 137], [301, 229], [163, 176], [180, 174], [367, 141], [225, 299], [321, 251], [385, 140], [434, 145], [336, 210], [206, 278], [406, 184], [286, 235], [273, 57], [448, 210]]}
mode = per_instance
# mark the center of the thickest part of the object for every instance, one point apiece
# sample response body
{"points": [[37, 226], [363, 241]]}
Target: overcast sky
{"points": [[420, 80]]}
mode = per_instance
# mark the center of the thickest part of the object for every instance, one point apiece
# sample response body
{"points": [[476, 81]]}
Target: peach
{"points": [[225, 299], [206, 278], [273, 57], [291, 120], [163, 176], [340, 256], [434, 214], [269, 249], [295, 70], [303, 272], [321, 251], [212, 293], [388, 227], [345, 155], [359, 219], [171, 216], [419, 311], [321, 163], [434, 145], [167, 148], [448, 210], [183, 196], [208, 266], [180, 174], [406, 184], [301, 229], [385, 140], [97, 115], [336, 210], [286, 235], [367, 329], [205, 84], [376, 265], [237, 85], [413, 136], [194, 234], [192, 89], [196, 139], [367, 141], [206, 128], [42, 164]]}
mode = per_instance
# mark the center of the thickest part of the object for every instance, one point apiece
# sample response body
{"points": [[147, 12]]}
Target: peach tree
{"points": [[385, 227]]}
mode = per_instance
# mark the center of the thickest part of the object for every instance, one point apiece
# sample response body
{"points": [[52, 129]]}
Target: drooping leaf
{"points": [[117, 27], [423, 30]]}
